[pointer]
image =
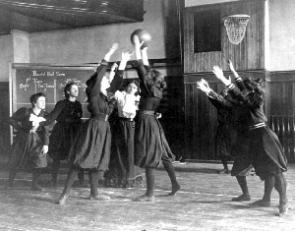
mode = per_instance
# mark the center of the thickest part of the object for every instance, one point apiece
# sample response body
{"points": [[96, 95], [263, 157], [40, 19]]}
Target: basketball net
{"points": [[235, 26]]}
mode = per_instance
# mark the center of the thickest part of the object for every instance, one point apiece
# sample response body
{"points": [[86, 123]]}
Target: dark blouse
{"points": [[150, 95], [20, 121], [65, 111], [247, 106], [223, 107], [98, 103], [251, 106]]}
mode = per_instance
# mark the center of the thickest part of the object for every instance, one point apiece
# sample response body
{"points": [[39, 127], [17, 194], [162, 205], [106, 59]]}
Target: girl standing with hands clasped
{"points": [[31, 142]]}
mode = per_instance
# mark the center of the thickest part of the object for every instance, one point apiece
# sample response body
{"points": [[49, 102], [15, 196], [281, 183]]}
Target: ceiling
{"points": [[43, 15]]}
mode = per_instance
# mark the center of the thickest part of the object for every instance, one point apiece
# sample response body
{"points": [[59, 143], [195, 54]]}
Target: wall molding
{"points": [[193, 77]]}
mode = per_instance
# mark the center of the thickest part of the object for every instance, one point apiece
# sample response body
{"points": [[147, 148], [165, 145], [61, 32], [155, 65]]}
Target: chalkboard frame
{"points": [[14, 67]]}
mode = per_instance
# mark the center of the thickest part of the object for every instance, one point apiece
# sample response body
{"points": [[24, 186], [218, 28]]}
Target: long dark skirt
{"points": [[62, 139], [91, 149], [262, 149], [122, 171], [26, 152], [150, 142]]}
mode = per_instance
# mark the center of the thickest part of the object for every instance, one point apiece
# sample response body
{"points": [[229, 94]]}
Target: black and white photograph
{"points": [[147, 115]]}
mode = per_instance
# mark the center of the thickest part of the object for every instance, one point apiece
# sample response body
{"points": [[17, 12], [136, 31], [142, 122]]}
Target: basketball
{"points": [[143, 36]]}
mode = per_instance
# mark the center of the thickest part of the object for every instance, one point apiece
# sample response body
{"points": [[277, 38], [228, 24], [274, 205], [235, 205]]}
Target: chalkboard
{"points": [[27, 79]]}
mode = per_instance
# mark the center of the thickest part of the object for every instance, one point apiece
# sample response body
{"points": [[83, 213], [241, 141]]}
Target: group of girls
{"points": [[256, 145], [87, 145]]}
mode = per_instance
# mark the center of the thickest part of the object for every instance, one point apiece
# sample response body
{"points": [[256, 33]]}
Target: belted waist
{"points": [[147, 112], [255, 126], [69, 121], [100, 116], [126, 119]]}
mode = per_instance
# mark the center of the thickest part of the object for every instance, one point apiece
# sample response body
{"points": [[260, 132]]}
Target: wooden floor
{"points": [[204, 203]]}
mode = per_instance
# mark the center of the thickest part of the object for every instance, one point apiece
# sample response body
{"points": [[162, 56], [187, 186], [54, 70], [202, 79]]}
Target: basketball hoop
{"points": [[235, 26]]}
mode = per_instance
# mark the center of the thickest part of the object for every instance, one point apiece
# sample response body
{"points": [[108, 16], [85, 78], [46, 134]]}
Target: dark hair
{"points": [[157, 82], [134, 81], [253, 84], [256, 92], [35, 97], [68, 88], [157, 79]]}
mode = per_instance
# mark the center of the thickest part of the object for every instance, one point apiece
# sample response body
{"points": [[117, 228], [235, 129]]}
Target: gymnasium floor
{"points": [[204, 203]]}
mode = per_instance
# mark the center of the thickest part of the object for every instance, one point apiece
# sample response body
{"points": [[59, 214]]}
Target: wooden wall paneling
{"points": [[4, 115], [190, 120], [173, 114], [201, 120], [281, 113], [247, 55]]}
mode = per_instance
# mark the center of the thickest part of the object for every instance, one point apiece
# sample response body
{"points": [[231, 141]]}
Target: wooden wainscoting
{"points": [[281, 107], [4, 114]]}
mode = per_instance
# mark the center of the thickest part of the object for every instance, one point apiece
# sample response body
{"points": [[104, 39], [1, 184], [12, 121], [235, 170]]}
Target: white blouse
{"points": [[127, 104]]}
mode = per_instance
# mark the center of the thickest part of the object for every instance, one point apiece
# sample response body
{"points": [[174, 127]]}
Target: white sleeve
{"points": [[137, 98], [118, 95]]}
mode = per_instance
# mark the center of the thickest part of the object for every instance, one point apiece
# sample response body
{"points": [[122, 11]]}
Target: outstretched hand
{"points": [[232, 69], [231, 66], [137, 42], [219, 75], [114, 47], [111, 51], [114, 66], [203, 85], [126, 55]]}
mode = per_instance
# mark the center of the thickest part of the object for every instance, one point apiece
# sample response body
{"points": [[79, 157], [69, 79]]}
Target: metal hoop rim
{"points": [[243, 16]]}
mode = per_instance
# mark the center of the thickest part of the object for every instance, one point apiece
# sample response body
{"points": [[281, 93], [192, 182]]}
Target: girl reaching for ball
{"points": [[91, 150], [150, 141]]}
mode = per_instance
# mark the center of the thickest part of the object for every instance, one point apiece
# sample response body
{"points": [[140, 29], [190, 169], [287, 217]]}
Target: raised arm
{"points": [[253, 99], [142, 61], [216, 99], [117, 81], [238, 79], [247, 98], [234, 91], [101, 70]]}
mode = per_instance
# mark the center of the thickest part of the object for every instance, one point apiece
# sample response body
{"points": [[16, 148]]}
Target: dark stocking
{"points": [[93, 178], [171, 173], [268, 186], [55, 168], [150, 181]]}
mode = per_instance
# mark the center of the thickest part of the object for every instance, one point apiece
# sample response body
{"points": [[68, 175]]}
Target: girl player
{"points": [[150, 141], [31, 142], [122, 169], [67, 113], [91, 149]]}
